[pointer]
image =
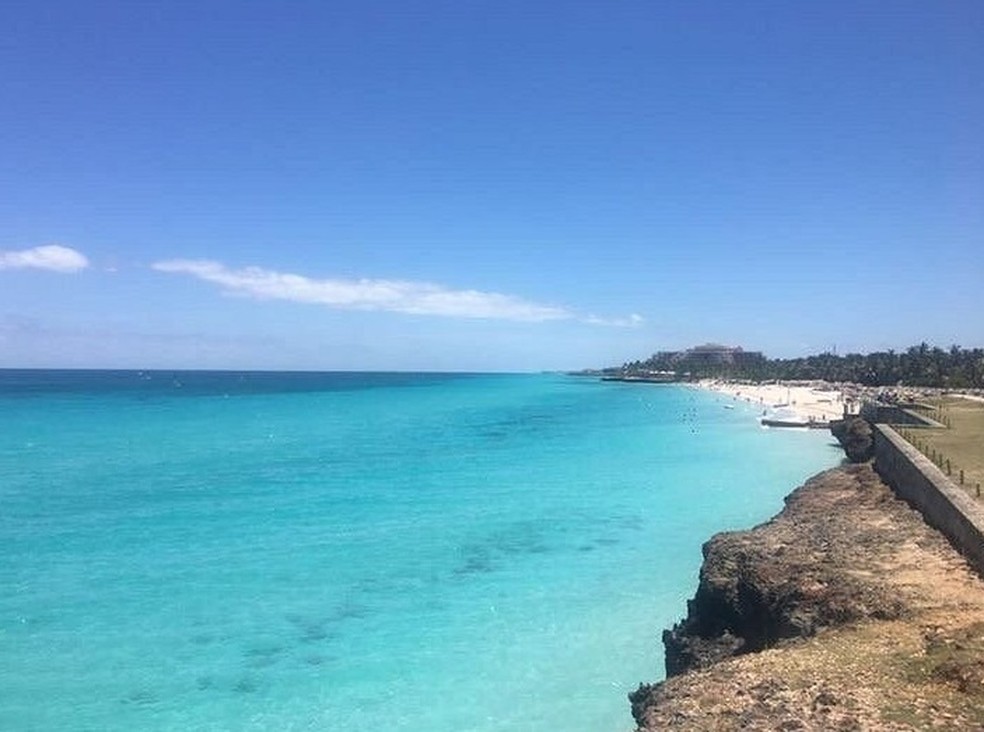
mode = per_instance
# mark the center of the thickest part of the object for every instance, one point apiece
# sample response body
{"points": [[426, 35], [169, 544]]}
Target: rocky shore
{"points": [[844, 612]]}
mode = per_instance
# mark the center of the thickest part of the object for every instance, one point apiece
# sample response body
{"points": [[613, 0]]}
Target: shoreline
{"points": [[816, 402], [823, 618]]}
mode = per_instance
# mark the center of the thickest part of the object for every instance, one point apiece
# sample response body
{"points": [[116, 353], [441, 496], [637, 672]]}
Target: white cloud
{"points": [[416, 298], [52, 257], [633, 321]]}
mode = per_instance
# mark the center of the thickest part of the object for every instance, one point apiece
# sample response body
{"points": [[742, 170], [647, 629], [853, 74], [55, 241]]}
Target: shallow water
{"points": [[358, 551]]}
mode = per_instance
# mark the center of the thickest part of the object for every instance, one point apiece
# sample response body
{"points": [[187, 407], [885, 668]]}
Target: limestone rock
{"points": [[855, 436], [817, 620]]}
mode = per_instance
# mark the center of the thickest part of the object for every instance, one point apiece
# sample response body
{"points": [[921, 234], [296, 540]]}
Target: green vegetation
{"points": [[959, 449], [922, 365]]}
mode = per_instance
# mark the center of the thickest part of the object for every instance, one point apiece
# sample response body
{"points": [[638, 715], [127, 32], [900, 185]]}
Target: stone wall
{"points": [[893, 414], [945, 505]]}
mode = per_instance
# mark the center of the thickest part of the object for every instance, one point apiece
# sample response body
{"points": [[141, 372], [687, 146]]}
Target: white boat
{"points": [[785, 417]]}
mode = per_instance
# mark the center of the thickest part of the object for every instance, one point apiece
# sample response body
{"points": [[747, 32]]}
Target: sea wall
{"points": [[894, 414], [944, 505]]}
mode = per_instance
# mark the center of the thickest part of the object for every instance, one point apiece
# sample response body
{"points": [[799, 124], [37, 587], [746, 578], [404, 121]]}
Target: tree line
{"points": [[922, 365]]}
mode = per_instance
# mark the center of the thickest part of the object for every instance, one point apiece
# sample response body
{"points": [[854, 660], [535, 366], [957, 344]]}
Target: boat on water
{"points": [[786, 417], [654, 378]]}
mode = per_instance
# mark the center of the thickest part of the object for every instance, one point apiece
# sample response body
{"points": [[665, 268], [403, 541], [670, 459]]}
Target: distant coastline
{"points": [[918, 366]]}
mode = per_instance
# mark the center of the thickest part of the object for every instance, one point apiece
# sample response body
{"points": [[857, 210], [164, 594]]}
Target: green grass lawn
{"points": [[962, 443]]}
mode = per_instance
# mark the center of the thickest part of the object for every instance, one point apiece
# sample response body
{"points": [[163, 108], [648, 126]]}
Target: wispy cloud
{"points": [[52, 257], [632, 321], [400, 296]]}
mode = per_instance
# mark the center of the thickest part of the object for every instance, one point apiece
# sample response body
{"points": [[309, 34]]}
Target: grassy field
{"points": [[962, 443]]}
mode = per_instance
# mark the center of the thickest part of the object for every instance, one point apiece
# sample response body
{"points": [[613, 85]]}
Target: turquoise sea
{"points": [[355, 552]]}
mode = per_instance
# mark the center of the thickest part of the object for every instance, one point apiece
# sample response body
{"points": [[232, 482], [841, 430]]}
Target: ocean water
{"points": [[226, 551]]}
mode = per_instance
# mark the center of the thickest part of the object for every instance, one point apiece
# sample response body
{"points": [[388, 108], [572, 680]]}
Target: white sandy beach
{"points": [[821, 403]]}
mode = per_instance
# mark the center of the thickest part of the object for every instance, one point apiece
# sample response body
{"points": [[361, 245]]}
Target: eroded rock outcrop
{"points": [[821, 619], [784, 579], [856, 437]]}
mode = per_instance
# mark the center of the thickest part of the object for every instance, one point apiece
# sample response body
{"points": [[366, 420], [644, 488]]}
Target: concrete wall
{"points": [[945, 505], [892, 414]]}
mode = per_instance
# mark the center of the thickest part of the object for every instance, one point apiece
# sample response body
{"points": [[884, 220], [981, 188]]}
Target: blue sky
{"points": [[485, 185]]}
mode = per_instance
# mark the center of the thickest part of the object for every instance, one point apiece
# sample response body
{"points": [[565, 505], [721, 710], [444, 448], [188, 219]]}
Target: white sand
{"points": [[819, 402]]}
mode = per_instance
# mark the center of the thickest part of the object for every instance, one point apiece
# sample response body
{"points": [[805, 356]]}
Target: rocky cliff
{"points": [[845, 611], [856, 437]]}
